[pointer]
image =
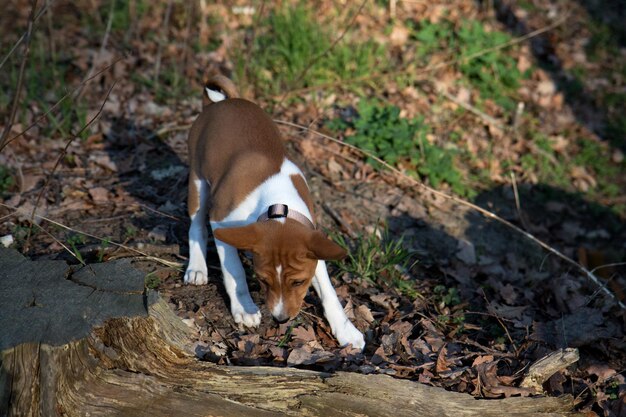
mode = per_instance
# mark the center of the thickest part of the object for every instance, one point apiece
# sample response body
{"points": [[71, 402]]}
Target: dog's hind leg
{"points": [[197, 202]]}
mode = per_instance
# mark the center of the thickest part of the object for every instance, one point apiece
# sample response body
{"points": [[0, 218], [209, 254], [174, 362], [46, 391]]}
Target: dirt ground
{"points": [[485, 302]]}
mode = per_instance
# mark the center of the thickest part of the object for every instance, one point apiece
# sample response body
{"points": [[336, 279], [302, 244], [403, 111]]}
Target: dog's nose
{"points": [[281, 319]]}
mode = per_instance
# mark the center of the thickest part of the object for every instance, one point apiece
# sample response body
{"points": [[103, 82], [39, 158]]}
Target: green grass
{"points": [[7, 182], [494, 74], [74, 240], [291, 50], [151, 281], [381, 131], [596, 158], [378, 259]]}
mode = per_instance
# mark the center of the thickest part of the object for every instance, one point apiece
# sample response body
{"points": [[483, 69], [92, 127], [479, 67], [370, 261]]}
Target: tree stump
{"points": [[91, 341]]}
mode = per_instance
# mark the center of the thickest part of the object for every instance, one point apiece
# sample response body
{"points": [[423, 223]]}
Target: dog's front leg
{"points": [[341, 326], [241, 305]]}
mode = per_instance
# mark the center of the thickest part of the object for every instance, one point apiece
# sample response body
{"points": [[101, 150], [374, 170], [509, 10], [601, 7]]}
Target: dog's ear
{"points": [[323, 248], [244, 238]]}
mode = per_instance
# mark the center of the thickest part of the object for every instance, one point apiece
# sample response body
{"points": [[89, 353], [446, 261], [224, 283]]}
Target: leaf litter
{"points": [[484, 304]]}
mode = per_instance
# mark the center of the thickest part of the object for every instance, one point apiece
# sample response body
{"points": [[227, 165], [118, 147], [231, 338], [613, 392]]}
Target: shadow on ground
{"points": [[498, 273]]}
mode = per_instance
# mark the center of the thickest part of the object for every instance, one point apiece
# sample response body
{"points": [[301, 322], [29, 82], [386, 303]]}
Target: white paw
{"points": [[196, 276], [249, 316], [347, 334]]}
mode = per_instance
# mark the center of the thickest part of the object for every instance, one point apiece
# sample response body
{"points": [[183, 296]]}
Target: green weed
{"points": [[102, 250], [593, 156], [446, 296], [494, 74], [602, 43], [381, 131], [151, 281], [74, 240], [377, 259], [6, 180], [130, 232], [292, 51]]}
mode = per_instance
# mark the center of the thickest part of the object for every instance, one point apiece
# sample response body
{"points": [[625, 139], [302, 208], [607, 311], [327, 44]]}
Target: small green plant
{"points": [[151, 281], [287, 336], [130, 232], [6, 180], [593, 156], [75, 240], [103, 247], [494, 74], [381, 131], [377, 259], [293, 50], [447, 296]]}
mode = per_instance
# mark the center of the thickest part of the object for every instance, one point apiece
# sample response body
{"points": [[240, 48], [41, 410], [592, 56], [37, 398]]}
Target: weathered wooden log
{"points": [[91, 342]]}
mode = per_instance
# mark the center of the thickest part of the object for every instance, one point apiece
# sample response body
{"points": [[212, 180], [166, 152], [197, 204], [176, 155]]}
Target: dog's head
{"points": [[285, 256]]}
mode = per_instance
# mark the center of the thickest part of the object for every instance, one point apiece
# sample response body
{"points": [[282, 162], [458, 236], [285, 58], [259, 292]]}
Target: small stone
{"points": [[158, 234], [466, 252], [6, 240]]}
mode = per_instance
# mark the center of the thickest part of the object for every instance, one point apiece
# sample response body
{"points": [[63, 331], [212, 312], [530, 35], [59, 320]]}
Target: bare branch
{"points": [[24, 35], [20, 79], [66, 95]]}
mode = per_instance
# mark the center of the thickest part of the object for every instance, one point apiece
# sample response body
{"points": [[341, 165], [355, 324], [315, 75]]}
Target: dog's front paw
{"points": [[347, 334], [196, 276], [249, 316]]}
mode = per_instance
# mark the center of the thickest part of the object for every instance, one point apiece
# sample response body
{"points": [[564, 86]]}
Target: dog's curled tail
{"points": [[218, 88]]}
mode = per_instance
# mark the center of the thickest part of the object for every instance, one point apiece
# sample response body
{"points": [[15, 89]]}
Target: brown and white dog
{"points": [[257, 201]]}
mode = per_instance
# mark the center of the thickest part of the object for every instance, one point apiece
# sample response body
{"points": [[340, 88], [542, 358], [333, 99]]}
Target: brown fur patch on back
{"points": [[234, 146]]}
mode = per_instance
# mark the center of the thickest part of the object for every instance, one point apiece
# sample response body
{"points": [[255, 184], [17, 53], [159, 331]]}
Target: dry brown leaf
{"points": [[99, 195]]}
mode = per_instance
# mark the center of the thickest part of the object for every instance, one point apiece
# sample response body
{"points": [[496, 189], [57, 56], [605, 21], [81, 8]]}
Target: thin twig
{"points": [[25, 34], [431, 68], [338, 218], [324, 53], [78, 258], [608, 266], [174, 265], [518, 205], [66, 95], [166, 23], [63, 152], [103, 45], [20, 79], [484, 212], [484, 116], [159, 212]]}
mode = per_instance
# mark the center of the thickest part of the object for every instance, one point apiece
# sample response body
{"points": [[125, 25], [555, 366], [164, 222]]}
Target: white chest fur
{"points": [[277, 189]]}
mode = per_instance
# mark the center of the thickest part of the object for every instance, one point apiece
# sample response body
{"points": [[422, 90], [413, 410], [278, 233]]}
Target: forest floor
{"points": [[517, 107]]}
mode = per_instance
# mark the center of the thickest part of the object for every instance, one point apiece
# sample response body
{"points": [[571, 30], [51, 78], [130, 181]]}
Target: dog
{"points": [[257, 201]]}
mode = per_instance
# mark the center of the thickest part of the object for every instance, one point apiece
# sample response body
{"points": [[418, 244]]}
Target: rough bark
{"points": [[92, 342]]}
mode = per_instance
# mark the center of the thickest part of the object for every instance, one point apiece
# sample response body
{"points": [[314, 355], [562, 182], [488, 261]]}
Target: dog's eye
{"points": [[297, 283]]}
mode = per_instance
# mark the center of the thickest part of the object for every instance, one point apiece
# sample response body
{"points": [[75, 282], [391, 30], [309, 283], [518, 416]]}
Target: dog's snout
{"points": [[281, 319]]}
